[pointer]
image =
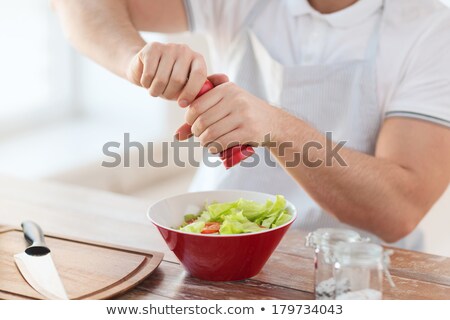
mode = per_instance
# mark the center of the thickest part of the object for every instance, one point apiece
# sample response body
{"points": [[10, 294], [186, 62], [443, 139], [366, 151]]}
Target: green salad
{"points": [[241, 216]]}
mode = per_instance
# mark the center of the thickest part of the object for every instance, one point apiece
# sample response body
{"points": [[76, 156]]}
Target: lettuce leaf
{"points": [[194, 227], [236, 223], [242, 216], [217, 210]]}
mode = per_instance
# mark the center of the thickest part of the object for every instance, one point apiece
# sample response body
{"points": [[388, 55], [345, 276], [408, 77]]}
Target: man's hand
{"points": [[228, 115], [171, 71]]}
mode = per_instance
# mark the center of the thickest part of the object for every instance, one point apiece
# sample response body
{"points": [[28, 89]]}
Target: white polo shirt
{"points": [[413, 61]]}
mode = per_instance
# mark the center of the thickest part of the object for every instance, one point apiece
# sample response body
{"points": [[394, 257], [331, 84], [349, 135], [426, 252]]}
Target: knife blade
{"points": [[36, 264]]}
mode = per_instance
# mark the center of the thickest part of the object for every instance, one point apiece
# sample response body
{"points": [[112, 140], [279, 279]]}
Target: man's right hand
{"points": [[171, 71]]}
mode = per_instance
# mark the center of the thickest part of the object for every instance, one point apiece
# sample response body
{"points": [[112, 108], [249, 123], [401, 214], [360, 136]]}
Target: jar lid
{"points": [[331, 236]]}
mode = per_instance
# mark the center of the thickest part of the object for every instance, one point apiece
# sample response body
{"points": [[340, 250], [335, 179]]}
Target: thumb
{"points": [[218, 79], [134, 71]]}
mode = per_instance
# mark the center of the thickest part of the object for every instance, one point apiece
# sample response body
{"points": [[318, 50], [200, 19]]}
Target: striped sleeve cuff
{"points": [[420, 116]]}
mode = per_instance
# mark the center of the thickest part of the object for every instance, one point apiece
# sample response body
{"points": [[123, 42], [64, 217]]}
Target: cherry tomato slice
{"points": [[211, 227]]}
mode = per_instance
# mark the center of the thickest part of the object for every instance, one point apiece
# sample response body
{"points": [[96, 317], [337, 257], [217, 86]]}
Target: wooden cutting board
{"points": [[88, 270]]}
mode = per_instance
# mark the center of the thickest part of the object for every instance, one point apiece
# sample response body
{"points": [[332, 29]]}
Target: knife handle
{"points": [[35, 237]]}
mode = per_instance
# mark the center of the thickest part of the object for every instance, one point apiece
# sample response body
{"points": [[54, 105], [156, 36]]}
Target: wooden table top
{"points": [[106, 217]]}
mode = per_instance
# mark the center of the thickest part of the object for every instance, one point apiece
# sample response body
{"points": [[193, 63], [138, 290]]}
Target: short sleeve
{"points": [[423, 90], [218, 18]]}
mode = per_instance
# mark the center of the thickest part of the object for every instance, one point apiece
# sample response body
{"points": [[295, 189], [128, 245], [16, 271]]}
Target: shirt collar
{"points": [[345, 18]]}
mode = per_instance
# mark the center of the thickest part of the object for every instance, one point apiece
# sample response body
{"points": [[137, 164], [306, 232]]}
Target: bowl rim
{"points": [[293, 211]]}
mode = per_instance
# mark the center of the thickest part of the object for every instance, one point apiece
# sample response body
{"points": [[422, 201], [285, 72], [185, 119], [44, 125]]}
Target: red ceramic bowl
{"points": [[216, 257]]}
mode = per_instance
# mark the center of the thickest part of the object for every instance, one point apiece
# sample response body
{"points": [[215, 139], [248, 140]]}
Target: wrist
{"points": [[280, 122], [288, 130]]}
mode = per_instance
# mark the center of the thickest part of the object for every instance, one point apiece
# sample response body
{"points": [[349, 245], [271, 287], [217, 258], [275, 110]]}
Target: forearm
{"points": [[387, 194], [374, 194], [101, 29]]}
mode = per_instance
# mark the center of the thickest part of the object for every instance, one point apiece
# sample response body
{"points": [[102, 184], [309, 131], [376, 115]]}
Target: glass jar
{"points": [[358, 270], [323, 240]]}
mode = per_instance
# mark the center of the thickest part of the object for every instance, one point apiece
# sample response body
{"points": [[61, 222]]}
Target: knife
{"points": [[36, 264]]}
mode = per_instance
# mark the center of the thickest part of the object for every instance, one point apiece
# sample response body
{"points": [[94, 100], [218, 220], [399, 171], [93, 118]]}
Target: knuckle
{"points": [[172, 48], [200, 124], [157, 87], [146, 80], [210, 134], [195, 131], [215, 146], [240, 99], [195, 112], [154, 47], [199, 72], [168, 96], [198, 56], [190, 116], [150, 75], [245, 112], [184, 48], [143, 53], [204, 140], [206, 137], [159, 83], [228, 86], [178, 80], [235, 88]]}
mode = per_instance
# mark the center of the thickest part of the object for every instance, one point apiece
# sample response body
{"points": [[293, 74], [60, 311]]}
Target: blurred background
{"points": [[58, 109]]}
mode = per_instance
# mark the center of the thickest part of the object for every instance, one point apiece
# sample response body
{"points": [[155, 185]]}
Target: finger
{"points": [[150, 61], [162, 76], [225, 142], [178, 78], [219, 129], [218, 79], [184, 132], [135, 70], [202, 104], [208, 118], [197, 77]]}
